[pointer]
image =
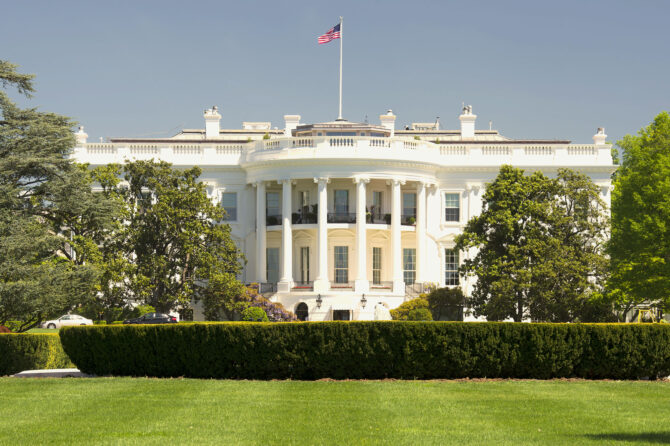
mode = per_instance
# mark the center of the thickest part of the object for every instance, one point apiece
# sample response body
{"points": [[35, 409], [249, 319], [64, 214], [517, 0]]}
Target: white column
{"points": [[321, 283], [286, 280], [261, 262], [420, 231], [396, 241], [361, 284]]}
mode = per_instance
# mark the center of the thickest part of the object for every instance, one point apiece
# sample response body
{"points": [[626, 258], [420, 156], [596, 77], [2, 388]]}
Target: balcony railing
{"points": [[303, 218], [378, 218], [269, 287], [273, 219], [408, 219], [341, 217], [303, 286]]}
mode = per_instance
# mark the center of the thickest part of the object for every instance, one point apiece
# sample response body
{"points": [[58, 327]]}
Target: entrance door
{"points": [[341, 315], [301, 311], [272, 258]]}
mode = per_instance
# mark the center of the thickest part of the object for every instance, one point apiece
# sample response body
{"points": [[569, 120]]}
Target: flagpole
{"points": [[339, 116]]}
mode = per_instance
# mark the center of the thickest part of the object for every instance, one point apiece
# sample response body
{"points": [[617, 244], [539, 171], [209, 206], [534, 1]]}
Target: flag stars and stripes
{"points": [[331, 34]]}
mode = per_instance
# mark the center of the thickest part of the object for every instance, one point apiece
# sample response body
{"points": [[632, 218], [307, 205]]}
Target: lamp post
{"points": [[318, 301], [364, 300]]}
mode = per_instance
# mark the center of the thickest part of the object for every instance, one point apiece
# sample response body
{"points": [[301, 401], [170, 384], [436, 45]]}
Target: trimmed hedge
{"points": [[372, 350], [30, 351]]}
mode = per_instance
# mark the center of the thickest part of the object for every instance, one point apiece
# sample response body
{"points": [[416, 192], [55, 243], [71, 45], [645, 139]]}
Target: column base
{"points": [[398, 287], [321, 285], [284, 286], [361, 286]]}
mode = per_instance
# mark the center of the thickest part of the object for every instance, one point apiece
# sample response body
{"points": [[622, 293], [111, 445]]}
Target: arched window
{"points": [[301, 311]]}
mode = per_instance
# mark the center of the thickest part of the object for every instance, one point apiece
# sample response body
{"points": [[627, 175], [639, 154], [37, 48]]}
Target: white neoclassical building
{"points": [[342, 220]]}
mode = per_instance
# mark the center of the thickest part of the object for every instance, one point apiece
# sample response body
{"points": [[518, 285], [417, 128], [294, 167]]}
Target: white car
{"points": [[68, 319]]}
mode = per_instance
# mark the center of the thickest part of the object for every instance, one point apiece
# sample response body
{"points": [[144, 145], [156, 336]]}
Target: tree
{"points": [[640, 242], [536, 246], [39, 188], [446, 304], [173, 242]]}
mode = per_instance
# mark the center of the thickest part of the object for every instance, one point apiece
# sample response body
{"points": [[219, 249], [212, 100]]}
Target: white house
{"points": [[340, 220]]}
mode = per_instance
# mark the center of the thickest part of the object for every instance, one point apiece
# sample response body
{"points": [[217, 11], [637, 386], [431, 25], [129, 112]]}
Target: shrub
{"points": [[372, 350], [419, 314], [29, 351], [254, 314], [402, 312], [4, 329], [99, 322]]}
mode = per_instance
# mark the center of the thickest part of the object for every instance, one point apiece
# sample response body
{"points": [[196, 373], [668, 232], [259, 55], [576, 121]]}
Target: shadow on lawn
{"points": [[647, 437]]}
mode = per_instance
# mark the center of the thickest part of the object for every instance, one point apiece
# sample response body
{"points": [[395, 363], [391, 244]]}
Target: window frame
{"points": [[228, 217], [445, 263], [459, 194]]}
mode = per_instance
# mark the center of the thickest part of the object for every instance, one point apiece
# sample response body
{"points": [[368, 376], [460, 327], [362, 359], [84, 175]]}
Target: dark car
{"points": [[152, 318]]}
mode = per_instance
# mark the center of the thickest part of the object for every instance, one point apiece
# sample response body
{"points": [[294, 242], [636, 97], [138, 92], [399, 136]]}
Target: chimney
{"points": [[467, 123], [388, 121], [212, 118], [292, 121], [600, 136], [81, 136]]}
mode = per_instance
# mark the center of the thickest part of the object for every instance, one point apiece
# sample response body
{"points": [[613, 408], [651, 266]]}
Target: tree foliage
{"points": [[446, 304], [536, 248], [171, 247], [45, 201], [640, 242], [402, 313]]}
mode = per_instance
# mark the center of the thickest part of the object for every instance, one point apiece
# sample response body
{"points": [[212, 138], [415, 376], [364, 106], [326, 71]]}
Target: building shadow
{"points": [[639, 437]]}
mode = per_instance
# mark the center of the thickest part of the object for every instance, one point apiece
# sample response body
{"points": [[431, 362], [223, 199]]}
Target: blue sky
{"points": [[537, 69]]}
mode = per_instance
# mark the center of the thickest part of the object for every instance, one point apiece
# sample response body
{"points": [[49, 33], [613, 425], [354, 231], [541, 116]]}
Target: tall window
{"points": [[376, 266], [341, 201], [409, 204], [304, 201], [452, 207], [341, 264], [409, 265], [450, 267], [229, 204], [304, 264], [272, 257], [272, 208], [377, 205]]}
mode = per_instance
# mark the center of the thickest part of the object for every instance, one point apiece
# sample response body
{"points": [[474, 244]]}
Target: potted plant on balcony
{"points": [[411, 221], [387, 218], [368, 215]]}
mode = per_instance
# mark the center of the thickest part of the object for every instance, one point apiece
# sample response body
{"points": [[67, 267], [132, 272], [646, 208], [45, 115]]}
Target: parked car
{"points": [[68, 319], [153, 318]]}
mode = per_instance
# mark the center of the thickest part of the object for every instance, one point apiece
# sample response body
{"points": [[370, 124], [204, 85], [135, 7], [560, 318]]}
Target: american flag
{"points": [[332, 34]]}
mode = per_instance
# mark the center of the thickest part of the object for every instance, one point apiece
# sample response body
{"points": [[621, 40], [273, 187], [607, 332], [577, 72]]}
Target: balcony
{"points": [[408, 219], [273, 219], [378, 218], [341, 217], [304, 218]]}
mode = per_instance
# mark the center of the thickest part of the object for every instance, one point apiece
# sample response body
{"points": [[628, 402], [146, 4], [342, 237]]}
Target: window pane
{"points": [[452, 210], [450, 267], [409, 205], [376, 266], [272, 257], [341, 201], [409, 265], [272, 203], [229, 204], [341, 264]]}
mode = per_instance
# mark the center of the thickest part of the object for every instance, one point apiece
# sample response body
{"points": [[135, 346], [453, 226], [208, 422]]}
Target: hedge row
{"points": [[372, 350], [30, 351]]}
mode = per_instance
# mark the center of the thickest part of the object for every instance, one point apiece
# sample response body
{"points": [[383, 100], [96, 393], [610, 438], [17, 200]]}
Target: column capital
{"points": [[325, 180], [364, 180], [286, 180], [395, 182], [474, 187]]}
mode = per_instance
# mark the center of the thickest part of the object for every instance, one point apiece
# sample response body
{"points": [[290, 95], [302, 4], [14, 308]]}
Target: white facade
{"points": [[350, 219]]}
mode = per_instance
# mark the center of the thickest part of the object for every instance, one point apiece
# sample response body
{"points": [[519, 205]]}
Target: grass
{"points": [[184, 411]]}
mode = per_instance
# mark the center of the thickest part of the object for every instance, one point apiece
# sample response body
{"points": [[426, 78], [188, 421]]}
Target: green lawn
{"points": [[183, 411]]}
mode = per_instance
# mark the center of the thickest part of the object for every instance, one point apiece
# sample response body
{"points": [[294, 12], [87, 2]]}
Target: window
{"points": [[377, 206], [409, 265], [304, 264], [452, 207], [272, 208], [272, 258], [450, 267], [408, 208], [376, 266], [341, 264], [304, 201], [229, 204], [341, 315], [341, 201]]}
